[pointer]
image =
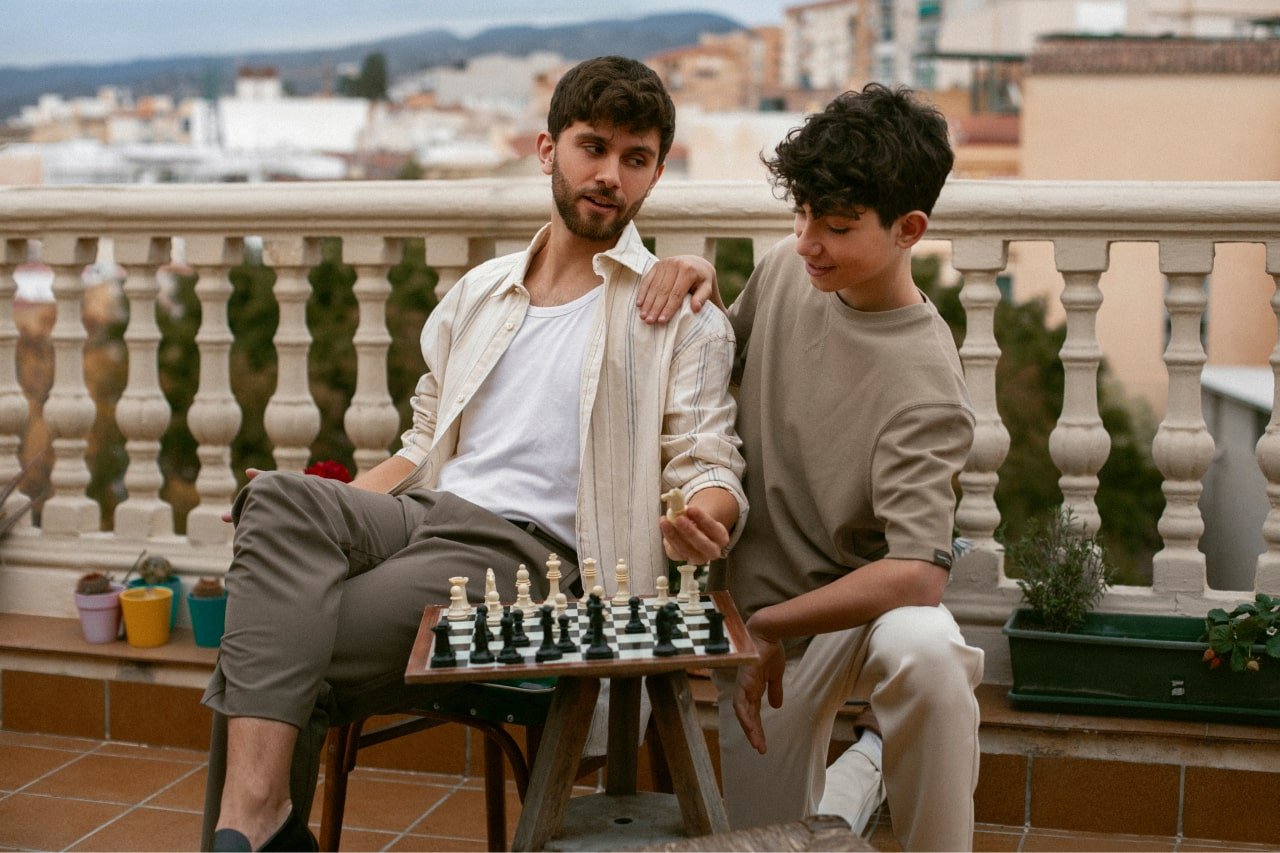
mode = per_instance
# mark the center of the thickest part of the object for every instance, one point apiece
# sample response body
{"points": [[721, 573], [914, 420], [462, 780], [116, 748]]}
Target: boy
{"points": [[854, 418], [550, 419]]}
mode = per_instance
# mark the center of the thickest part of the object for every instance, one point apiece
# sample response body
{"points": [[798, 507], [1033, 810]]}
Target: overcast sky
{"points": [[43, 32]]}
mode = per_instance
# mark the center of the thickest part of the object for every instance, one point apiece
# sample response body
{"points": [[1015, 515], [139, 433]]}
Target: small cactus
{"points": [[94, 583], [207, 588], [155, 570]]}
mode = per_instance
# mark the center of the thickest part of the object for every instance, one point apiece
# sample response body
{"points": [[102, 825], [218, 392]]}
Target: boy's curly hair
{"points": [[879, 149], [614, 90]]}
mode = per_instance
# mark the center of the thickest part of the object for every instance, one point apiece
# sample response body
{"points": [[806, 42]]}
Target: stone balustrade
{"points": [[464, 222]]}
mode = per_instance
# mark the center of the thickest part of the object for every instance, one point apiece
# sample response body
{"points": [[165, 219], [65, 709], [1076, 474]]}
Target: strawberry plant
{"points": [[1244, 636]]}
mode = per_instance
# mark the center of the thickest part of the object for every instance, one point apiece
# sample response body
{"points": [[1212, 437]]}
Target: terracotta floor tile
{"points": [[185, 795], [50, 823], [434, 843], [385, 806], [111, 779], [1047, 840], [462, 815], [882, 838], [1206, 845], [997, 842], [162, 753], [22, 765], [354, 840], [147, 829]]}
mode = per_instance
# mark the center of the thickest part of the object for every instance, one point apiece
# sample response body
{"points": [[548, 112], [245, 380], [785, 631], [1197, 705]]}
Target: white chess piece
{"points": [[490, 584], [562, 602], [589, 574], [598, 592], [674, 500], [663, 587], [458, 609], [494, 603], [690, 601], [524, 602], [622, 582], [553, 575]]}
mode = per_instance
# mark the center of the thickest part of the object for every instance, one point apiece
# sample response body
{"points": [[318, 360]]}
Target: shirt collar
{"points": [[628, 251]]}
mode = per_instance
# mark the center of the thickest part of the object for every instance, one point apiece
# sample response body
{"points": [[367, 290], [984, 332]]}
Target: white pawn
{"points": [[598, 592], [562, 602], [494, 603], [553, 575], [524, 602], [589, 574], [622, 582], [458, 609], [690, 602], [663, 586]]}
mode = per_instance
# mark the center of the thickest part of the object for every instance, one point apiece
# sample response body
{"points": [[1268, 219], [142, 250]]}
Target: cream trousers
{"points": [[914, 666]]}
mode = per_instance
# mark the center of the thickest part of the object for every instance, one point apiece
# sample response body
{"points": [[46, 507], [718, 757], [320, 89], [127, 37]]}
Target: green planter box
{"points": [[1134, 665]]}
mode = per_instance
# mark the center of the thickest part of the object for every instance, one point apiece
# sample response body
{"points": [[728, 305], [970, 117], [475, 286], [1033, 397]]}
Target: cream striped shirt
{"points": [[655, 412]]}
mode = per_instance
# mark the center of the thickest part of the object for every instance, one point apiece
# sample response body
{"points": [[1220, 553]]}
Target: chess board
{"points": [[633, 653]]}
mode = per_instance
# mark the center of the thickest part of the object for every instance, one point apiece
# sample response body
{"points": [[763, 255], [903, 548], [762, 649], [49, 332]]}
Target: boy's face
{"points": [[600, 176], [850, 253]]}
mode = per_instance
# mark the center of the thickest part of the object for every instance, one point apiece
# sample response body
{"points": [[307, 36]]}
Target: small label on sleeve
{"points": [[942, 558]]}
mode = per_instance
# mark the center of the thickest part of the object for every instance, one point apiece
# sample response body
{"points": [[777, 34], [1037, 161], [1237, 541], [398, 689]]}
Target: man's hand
{"points": [[667, 283], [755, 679], [249, 473], [695, 537]]}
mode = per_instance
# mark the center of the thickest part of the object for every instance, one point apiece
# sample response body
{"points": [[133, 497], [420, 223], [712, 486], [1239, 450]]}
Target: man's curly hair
{"points": [[878, 149], [614, 90]]}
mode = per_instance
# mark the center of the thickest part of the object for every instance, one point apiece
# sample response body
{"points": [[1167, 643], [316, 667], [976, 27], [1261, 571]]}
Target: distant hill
{"points": [[306, 71]]}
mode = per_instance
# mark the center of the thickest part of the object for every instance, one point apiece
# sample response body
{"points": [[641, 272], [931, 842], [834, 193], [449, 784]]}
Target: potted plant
{"points": [[146, 611], [207, 604], [157, 571], [1067, 658], [98, 602]]}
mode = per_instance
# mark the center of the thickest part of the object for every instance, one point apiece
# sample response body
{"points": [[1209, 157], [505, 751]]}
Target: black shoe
{"points": [[293, 835], [230, 841]]}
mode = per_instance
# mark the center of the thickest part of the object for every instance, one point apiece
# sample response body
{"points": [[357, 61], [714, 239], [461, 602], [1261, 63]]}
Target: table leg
{"points": [[624, 735], [551, 780], [692, 773]]}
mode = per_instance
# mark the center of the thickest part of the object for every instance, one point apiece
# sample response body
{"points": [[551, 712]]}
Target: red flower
{"points": [[331, 470]]}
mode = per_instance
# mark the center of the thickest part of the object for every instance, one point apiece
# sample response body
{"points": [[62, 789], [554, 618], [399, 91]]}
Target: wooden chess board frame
{"points": [[420, 671]]}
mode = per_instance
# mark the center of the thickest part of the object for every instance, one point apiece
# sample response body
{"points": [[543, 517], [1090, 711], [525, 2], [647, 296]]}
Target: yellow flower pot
{"points": [[146, 615]]}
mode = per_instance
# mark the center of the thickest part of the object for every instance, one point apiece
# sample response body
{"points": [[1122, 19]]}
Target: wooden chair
{"points": [[487, 707]]}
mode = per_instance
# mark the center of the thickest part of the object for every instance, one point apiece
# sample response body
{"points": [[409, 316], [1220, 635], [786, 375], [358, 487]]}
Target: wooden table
{"points": [[569, 719]]}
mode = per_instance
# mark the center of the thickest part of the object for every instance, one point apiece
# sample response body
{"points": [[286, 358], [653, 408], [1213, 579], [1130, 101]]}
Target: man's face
{"points": [[850, 252], [600, 176]]}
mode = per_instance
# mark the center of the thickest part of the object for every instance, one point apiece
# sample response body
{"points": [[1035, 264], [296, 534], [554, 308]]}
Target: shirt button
{"points": [[510, 325], [461, 398]]}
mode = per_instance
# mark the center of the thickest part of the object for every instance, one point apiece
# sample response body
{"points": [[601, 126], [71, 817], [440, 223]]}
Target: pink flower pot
{"points": [[100, 615]]}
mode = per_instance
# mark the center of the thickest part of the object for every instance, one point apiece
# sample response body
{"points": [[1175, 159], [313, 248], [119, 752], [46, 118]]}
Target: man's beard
{"points": [[594, 226]]}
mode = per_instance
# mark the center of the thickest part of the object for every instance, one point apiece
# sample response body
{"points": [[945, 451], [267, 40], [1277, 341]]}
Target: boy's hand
{"points": [[754, 680], [667, 283], [695, 537], [249, 473]]}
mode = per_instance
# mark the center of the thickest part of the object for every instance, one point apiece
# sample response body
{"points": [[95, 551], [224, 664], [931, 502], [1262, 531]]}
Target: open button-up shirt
{"points": [[656, 412]]}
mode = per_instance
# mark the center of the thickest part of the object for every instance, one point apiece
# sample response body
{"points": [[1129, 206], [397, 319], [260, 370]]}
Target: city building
{"points": [[725, 72]]}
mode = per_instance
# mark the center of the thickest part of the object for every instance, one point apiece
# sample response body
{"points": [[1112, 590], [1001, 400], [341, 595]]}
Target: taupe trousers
{"points": [[326, 590], [914, 666]]}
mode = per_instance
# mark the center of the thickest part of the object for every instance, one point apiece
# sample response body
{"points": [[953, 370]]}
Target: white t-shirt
{"points": [[518, 450]]}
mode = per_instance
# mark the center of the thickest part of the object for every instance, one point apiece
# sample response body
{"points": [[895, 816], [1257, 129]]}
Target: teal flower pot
{"points": [[208, 619]]}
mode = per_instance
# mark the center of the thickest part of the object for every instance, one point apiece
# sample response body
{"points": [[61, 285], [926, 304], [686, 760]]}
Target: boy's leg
{"points": [[920, 676], [786, 783]]}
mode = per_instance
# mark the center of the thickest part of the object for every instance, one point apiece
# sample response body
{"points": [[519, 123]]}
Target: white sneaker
{"points": [[855, 785]]}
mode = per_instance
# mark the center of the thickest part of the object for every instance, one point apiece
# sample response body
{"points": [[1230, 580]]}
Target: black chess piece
{"points": [[566, 644], [548, 650], [509, 652], [674, 609], [480, 639], [635, 625], [519, 638], [442, 653], [663, 648], [593, 601], [599, 648], [717, 643], [482, 621]]}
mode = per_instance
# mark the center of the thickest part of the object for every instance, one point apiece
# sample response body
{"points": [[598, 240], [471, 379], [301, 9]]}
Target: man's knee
{"points": [[924, 645]]}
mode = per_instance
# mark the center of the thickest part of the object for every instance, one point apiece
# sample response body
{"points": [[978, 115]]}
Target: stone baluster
{"points": [[371, 420], [669, 245], [13, 404], [979, 260], [1079, 444], [214, 416], [292, 418], [1183, 448], [1268, 573], [143, 412], [450, 256], [69, 412]]}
